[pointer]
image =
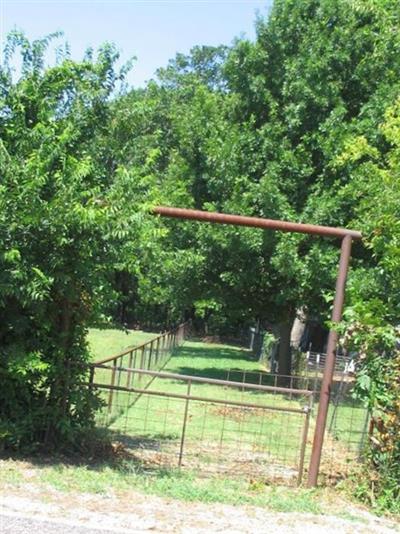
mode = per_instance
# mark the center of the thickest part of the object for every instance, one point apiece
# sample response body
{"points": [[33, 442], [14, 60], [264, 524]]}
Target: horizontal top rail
{"points": [[201, 380], [225, 402], [136, 347], [256, 222]]}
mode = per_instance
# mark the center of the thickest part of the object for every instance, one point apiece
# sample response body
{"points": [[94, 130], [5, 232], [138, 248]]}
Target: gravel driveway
{"points": [[58, 512]]}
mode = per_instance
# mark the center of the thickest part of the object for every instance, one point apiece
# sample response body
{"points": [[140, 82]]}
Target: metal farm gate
{"points": [[164, 420]]}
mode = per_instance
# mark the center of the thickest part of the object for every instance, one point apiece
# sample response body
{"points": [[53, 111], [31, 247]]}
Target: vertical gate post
{"points": [[157, 352], [330, 362], [185, 417], [110, 396], [306, 426], [128, 374]]}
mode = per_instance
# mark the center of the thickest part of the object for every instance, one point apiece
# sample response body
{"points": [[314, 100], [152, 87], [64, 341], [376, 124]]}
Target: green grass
{"points": [[218, 433], [109, 341], [125, 476], [180, 485], [211, 360], [347, 423]]}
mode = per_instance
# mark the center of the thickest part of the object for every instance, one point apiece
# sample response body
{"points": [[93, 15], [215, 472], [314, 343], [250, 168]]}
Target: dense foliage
{"points": [[372, 322], [61, 228], [302, 124]]}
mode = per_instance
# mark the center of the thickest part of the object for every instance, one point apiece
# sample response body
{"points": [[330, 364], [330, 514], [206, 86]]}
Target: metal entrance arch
{"points": [[347, 237]]}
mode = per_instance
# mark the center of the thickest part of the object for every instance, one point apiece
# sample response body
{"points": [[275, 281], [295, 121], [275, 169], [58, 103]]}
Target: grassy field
{"points": [[108, 341]]}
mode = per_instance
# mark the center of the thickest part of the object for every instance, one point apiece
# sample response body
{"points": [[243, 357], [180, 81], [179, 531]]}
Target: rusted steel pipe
{"points": [[256, 222], [224, 402], [216, 381], [185, 418], [330, 363], [303, 447]]}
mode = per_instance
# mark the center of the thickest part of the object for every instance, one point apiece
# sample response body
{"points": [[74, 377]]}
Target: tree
{"points": [[319, 72], [63, 225], [372, 319]]}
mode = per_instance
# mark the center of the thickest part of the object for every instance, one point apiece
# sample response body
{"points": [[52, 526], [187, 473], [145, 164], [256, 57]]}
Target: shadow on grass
{"points": [[106, 450], [213, 352]]}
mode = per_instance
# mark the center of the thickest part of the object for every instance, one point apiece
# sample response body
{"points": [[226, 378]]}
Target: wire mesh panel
{"points": [[210, 426], [347, 424], [152, 355], [315, 363], [346, 434], [265, 378]]}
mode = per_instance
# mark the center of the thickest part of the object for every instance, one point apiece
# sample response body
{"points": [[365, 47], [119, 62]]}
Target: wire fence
{"points": [[253, 423], [315, 362], [293, 381], [153, 355], [346, 435], [347, 426], [209, 426]]}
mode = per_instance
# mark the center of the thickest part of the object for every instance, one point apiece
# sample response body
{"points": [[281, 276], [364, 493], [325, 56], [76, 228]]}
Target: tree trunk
{"points": [[284, 353], [58, 394], [299, 326]]}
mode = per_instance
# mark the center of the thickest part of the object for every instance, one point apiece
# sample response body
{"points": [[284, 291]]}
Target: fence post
{"points": [[150, 353], [141, 366], [304, 444], [162, 348], [327, 378], [110, 396], [184, 423], [128, 377], [157, 351], [135, 366]]}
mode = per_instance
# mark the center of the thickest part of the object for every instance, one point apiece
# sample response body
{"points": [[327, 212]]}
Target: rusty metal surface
{"points": [[255, 222], [330, 363], [176, 410], [215, 381], [304, 445], [185, 418], [200, 398]]}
